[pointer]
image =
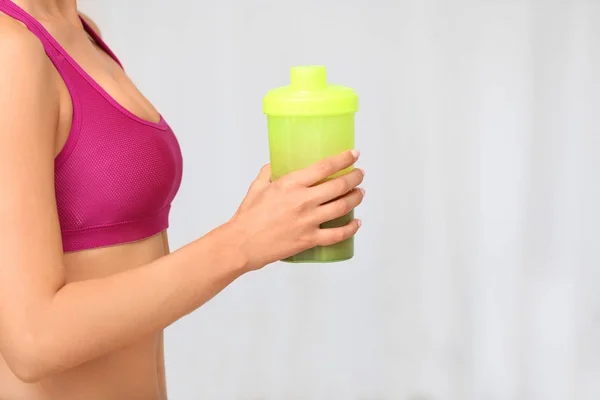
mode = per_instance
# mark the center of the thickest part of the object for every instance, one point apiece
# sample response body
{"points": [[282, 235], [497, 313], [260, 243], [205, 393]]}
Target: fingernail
{"points": [[362, 191], [359, 222], [355, 153]]}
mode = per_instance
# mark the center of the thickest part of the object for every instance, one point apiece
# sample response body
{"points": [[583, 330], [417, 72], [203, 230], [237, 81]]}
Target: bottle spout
{"points": [[313, 77]]}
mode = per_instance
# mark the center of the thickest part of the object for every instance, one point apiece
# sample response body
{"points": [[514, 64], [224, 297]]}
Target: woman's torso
{"points": [[133, 372], [130, 373]]}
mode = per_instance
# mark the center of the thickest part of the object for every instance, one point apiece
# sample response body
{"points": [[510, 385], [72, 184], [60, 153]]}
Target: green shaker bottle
{"points": [[310, 120]]}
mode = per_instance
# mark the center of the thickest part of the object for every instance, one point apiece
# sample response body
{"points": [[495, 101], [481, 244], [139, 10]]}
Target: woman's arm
{"points": [[48, 325], [45, 324]]}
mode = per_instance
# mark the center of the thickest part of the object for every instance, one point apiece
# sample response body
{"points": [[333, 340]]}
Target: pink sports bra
{"points": [[117, 174]]}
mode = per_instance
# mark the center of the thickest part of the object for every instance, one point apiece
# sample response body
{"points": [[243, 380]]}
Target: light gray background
{"points": [[478, 265]]}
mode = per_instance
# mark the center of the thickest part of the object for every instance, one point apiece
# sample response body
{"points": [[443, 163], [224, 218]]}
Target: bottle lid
{"points": [[309, 95]]}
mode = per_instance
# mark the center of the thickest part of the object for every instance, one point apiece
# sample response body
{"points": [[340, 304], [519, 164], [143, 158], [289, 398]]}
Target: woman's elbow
{"points": [[27, 373], [28, 361]]}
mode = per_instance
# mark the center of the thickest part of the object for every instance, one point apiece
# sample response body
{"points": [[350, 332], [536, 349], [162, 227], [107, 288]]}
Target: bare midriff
{"points": [[132, 373]]}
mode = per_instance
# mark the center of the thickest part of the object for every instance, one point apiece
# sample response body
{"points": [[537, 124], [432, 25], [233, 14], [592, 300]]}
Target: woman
{"points": [[88, 170]]}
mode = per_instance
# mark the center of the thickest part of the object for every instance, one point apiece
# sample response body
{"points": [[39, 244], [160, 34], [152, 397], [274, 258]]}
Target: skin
{"points": [[89, 324]]}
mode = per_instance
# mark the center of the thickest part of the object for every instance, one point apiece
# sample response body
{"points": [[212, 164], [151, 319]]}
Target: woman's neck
{"points": [[50, 9]]}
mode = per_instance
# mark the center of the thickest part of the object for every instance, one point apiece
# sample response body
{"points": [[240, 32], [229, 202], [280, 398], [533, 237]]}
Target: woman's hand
{"points": [[279, 219]]}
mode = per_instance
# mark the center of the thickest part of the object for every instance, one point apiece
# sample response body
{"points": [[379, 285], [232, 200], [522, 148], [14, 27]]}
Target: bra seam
{"points": [[114, 224]]}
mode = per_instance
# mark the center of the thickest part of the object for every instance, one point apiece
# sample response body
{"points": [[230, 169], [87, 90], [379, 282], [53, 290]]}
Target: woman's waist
{"points": [[128, 374], [106, 261]]}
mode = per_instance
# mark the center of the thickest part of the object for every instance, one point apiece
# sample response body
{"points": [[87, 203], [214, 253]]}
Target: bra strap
{"points": [[96, 38]]}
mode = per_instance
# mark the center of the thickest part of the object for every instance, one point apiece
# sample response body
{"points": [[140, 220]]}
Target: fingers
{"points": [[325, 168], [339, 207], [337, 187], [327, 237]]}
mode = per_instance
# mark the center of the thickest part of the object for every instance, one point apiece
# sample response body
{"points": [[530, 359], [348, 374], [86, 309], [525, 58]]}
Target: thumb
{"points": [[265, 174], [262, 180], [260, 183]]}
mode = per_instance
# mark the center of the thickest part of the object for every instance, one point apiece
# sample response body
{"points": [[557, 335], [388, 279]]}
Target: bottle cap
{"points": [[308, 94]]}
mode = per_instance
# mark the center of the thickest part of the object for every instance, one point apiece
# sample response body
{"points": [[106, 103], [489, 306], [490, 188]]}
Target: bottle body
{"points": [[295, 142]]}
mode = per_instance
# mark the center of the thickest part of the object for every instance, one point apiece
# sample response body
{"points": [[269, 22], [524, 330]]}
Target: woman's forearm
{"points": [[87, 319]]}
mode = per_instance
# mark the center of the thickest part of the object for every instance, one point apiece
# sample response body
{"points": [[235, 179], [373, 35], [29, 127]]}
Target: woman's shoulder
{"points": [[28, 96], [17, 43]]}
